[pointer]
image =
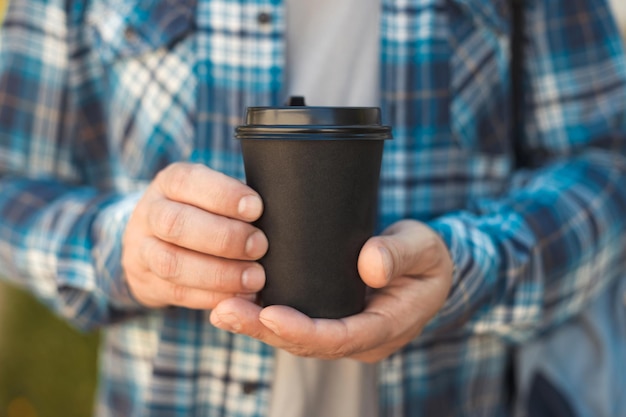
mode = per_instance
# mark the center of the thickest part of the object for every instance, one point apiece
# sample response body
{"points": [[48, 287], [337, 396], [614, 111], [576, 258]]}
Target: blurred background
{"points": [[48, 369]]}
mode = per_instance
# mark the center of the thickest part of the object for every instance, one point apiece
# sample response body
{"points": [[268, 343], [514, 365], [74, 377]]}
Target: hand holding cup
{"points": [[411, 269], [190, 241]]}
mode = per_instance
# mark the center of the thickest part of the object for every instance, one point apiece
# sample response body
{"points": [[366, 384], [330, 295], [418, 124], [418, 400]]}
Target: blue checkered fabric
{"points": [[97, 96]]}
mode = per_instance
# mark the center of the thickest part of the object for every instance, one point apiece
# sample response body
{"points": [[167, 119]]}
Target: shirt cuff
{"points": [[108, 230], [476, 262]]}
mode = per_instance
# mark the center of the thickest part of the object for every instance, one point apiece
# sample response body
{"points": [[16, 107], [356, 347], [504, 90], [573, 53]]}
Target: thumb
{"points": [[407, 248]]}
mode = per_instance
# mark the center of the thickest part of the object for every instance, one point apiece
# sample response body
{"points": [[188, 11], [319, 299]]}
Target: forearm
{"points": [[536, 257], [63, 243]]}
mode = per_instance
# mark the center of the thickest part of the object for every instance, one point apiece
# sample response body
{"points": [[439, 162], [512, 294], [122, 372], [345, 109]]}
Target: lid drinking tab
{"points": [[296, 101]]}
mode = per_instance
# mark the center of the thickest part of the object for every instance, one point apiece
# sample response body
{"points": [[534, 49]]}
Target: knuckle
{"points": [[398, 257], [178, 176], [169, 220], [341, 351], [166, 263], [221, 279], [433, 252], [207, 302], [140, 288], [222, 192], [258, 334], [226, 240], [432, 245], [179, 294]]}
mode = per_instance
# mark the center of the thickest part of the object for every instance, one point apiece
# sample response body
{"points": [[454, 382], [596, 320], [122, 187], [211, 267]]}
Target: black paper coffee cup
{"points": [[317, 170]]}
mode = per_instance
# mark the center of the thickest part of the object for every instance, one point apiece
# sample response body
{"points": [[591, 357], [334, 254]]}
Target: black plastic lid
{"points": [[301, 122]]}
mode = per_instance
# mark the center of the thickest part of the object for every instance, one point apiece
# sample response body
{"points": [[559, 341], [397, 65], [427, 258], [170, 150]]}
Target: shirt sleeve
{"points": [[538, 254], [61, 221]]}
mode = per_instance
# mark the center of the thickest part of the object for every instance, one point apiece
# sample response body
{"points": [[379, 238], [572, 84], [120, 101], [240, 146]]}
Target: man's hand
{"points": [[410, 267], [189, 241]]}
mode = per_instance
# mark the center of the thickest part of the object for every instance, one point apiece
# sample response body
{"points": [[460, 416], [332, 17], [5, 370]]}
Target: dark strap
{"points": [[517, 83], [545, 399], [517, 136]]}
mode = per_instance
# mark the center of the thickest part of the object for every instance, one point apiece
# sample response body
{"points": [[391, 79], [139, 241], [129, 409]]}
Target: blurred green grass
{"points": [[47, 368]]}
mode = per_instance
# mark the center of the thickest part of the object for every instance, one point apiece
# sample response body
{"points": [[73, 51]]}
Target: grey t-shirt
{"points": [[305, 387], [332, 60], [333, 51]]}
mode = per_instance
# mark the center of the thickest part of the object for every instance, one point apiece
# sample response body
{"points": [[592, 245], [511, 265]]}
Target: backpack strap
{"points": [[521, 157]]}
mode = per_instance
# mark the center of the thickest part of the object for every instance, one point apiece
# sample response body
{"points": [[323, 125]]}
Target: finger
{"points": [[193, 269], [238, 316], [181, 296], [151, 291], [288, 329], [209, 190], [406, 248], [324, 338], [193, 228]]}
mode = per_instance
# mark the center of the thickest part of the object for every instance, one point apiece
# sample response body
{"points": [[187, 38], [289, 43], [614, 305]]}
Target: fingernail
{"points": [[228, 322], [270, 325], [250, 207], [256, 245], [248, 296], [253, 278], [387, 264]]}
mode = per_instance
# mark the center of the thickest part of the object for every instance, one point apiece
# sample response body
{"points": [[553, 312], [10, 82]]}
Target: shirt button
{"points": [[249, 388], [130, 34], [264, 18]]}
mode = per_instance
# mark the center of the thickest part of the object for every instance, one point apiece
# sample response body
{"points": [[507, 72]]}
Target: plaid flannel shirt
{"points": [[97, 96]]}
